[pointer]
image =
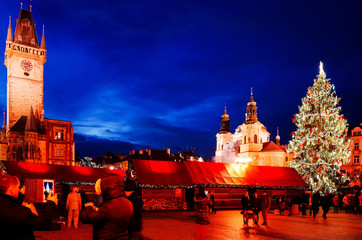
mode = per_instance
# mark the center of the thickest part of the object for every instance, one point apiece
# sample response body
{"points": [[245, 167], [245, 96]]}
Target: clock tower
{"points": [[24, 60]]}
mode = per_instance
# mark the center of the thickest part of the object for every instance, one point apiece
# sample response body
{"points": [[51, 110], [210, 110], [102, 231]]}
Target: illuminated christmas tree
{"points": [[320, 143]]}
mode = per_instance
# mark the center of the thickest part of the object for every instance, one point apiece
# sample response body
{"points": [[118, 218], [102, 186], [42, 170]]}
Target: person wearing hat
{"points": [[203, 205], [74, 205], [111, 219]]}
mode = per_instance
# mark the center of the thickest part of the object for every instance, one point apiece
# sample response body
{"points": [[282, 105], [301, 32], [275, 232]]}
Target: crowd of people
{"points": [[350, 202], [116, 211]]}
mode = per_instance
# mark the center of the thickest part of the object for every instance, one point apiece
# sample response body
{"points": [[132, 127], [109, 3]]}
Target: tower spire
{"points": [[10, 32], [42, 45]]}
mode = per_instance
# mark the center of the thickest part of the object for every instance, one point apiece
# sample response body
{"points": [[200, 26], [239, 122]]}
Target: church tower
{"points": [[251, 115], [224, 136], [24, 60]]}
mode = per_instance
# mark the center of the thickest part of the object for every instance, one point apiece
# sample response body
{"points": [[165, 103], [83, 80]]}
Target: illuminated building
{"points": [[250, 144], [353, 167], [28, 136]]}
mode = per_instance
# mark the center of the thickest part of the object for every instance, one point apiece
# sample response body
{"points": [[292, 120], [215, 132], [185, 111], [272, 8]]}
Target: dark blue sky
{"points": [[131, 74]]}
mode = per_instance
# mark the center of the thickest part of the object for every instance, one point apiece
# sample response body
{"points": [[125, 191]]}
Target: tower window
{"points": [[255, 139], [26, 74], [59, 134], [356, 146], [356, 159]]}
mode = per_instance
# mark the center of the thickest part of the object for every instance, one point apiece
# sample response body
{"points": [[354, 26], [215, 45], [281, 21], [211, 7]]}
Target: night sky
{"points": [[134, 74]]}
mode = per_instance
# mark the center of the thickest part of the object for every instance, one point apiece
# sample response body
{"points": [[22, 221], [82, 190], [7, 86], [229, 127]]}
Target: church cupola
{"points": [[225, 122], [251, 115]]}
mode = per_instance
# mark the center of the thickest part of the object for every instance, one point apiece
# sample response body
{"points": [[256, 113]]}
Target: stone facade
{"points": [[28, 136], [354, 167]]}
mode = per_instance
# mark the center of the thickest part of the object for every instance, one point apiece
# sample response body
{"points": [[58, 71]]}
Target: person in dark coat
{"points": [[326, 203], [255, 205], [112, 218], [203, 205], [18, 220], [245, 202], [134, 194], [212, 198], [315, 203]]}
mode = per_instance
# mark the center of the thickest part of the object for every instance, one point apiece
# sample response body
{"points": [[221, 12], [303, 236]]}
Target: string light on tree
{"points": [[320, 143]]}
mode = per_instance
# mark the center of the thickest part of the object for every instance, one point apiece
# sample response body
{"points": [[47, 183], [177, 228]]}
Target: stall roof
{"points": [[59, 173], [161, 173]]}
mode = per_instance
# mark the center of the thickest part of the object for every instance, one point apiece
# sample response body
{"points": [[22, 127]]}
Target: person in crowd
{"points": [[304, 203], [326, 204], [315, 203], [335, 201], [112, 218], [19, 219], [340, 195], [355, 201], [245, 202], [212, 198], [346, 203], [73, 206], [281, 204], [265, 205], [134, 194], [83, 197], [98, 200], [203, 205], [255, 205]]}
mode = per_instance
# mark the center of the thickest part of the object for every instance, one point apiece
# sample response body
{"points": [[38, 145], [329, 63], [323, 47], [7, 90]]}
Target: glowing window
{"points": [[356, 146], [356, 159], [59, 134]]}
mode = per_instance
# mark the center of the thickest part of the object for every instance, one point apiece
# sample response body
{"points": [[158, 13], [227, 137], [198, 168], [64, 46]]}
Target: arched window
{"points": [[244, 139], [13, 153], [31, 151], [19, 154], [255, 139], [26, 150]]}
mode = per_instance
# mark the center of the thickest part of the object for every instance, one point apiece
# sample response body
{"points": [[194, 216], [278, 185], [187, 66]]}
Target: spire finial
{"points": [[9, 19], [321, 71], [30, 7], [278, 131], [251, 91], [21, 5]]}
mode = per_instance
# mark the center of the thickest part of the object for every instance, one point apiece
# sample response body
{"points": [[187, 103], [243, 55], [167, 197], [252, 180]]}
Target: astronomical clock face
{"points": [[26, 65]]}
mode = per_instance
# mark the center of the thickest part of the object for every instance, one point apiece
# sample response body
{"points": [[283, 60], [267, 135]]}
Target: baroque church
{"points": [[250, 144], [28, 136]]}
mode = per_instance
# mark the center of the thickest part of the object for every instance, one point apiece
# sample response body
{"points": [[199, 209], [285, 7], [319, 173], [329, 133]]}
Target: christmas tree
{"points": [[320, 143]]}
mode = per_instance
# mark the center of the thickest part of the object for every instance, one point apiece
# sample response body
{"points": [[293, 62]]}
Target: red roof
{"points": [[59, 173], [271, 147], [152, 173]]}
